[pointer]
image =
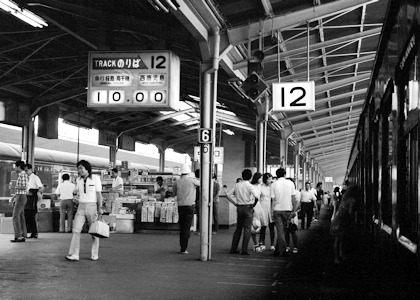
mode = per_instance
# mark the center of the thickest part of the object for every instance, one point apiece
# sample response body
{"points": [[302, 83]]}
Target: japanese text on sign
{"points": [[117, 63], [133, 80]]}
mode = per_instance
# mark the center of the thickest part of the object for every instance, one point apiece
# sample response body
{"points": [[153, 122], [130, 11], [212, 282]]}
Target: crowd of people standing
{"points": [[271, 202], [275, 203]]}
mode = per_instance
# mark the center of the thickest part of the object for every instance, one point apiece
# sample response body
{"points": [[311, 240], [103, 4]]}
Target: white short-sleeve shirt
{"points": [[116, 182], [34, 182], [87, 189], [282, 191], [65, 190]]}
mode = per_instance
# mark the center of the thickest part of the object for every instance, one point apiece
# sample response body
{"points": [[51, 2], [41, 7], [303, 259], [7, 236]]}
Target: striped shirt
{"points": [[22, 181]]}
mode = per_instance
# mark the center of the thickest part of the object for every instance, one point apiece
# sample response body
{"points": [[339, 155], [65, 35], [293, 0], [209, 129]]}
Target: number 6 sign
{"points": [[294, 96], [205, 136]]}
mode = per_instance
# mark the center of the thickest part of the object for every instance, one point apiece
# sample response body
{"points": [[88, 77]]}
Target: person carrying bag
{"points": [[99, 229]]}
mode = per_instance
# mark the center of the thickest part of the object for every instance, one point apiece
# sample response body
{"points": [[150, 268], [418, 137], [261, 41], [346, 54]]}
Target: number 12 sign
{"points": [[294, 96]]}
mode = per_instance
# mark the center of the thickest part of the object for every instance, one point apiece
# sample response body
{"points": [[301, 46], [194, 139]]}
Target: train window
{"points": [[387, 160], [375, 168], [408, 205], [411, 89]]}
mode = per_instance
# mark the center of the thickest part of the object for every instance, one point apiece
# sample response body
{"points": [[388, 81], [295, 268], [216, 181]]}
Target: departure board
{"points": [[143, 80]]}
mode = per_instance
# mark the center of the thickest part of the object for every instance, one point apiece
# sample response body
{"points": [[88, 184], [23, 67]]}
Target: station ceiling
{"points": [[47, 67]]}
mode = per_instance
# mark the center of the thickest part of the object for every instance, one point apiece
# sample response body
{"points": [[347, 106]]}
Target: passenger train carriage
{"points": [[384, 161]]}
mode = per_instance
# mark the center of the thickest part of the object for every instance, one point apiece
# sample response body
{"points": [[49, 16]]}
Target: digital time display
{"points": [[133, 80]]}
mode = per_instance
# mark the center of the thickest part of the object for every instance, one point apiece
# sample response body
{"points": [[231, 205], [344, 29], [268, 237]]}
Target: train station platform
{"points": [[149, 266]]}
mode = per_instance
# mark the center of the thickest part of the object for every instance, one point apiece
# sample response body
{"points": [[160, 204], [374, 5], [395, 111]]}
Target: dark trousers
{"points": [[291, 233], [244, 222], [307, 212], [30, 221], [30, 211], [215, 216], [186, 214], [281, 218]]}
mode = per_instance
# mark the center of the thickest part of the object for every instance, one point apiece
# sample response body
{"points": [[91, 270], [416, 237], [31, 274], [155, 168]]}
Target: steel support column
{"points": [[305, 169], [28, 143], [161, 158], [283, 153], [261, 139], [311, 170], [113, 156], [208, 120], [297, 163]]}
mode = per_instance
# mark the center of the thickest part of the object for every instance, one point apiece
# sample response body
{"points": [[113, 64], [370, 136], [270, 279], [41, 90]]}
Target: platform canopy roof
{"points": [[47, 67]]}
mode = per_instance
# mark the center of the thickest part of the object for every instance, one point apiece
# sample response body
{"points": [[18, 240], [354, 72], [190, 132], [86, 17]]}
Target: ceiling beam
{"points": [[40, 37], [56, 98], [194, 24], [155, 129], [332, 138], [242, 126], [335, 170], [241, 34], [35, 75], [341, 96], [18, 91], [181, 140], [340, 83], [313, 123], [318, 150], [332, 130], [313, 71], [329, 124], [154, 120], [327, 155], [323, 111], [233, 119], [168, 134], [329, 43], [200, 20]]}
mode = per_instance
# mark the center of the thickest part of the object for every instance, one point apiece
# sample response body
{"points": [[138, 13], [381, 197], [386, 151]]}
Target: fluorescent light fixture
{"points": [[228, 131], [22, 13]]}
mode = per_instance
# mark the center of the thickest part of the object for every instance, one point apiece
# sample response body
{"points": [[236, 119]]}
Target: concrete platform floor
{"points": [[149, 266]]}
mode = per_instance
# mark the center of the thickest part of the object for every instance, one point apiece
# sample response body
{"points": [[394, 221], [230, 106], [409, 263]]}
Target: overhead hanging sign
{"points": [[140, 80], [294, 96], [218, 154]]}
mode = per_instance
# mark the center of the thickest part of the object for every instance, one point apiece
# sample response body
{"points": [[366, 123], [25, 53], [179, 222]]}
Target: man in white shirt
{"points": [[314, 209], [307, 201], [185, 189], [89, 190], [160, 186], [282, 197], [242, 192], [117, 182], [33, 191], [65, 192]]}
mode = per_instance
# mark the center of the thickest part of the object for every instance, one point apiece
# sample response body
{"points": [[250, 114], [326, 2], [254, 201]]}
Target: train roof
{"points": [[57, 152]]}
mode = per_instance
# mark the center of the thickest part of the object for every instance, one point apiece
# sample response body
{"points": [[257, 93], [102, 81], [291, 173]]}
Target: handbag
{"points": [[99, 229]]}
